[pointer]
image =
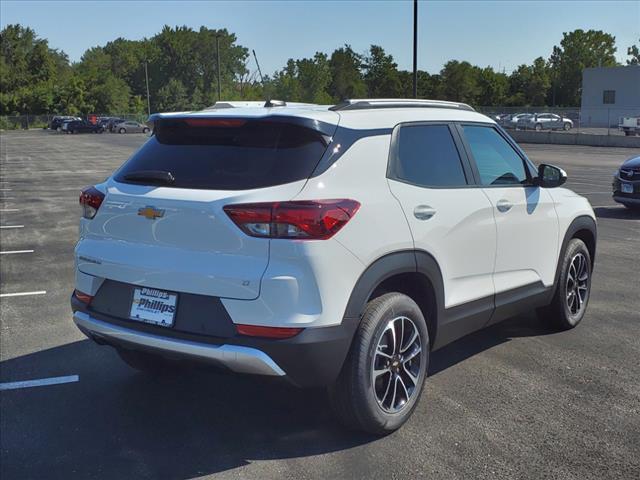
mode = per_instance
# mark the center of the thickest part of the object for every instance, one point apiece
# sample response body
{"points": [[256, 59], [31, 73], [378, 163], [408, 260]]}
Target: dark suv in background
{"points": [[626, 184]]}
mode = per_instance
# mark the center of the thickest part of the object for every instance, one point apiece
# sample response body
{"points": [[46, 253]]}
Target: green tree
{"points": [[493, 87], [173, 97], [381, 74], [530, 84], [460, 82], [579, 50], [346, 75], [634, 53]]}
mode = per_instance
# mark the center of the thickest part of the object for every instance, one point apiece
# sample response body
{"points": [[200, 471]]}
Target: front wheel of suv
{"points": [[382, 379], [570, 300]]}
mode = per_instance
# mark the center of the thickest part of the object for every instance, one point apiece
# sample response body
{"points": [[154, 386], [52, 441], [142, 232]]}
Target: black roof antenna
{"points": [[259, 71]]}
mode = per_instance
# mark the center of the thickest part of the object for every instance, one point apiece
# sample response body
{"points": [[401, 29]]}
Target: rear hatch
{"points": [[162, 224]]}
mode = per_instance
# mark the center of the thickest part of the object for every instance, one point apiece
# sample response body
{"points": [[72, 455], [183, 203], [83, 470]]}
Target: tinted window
{"points": [[497, 162], [427, 156], [227, 154]]}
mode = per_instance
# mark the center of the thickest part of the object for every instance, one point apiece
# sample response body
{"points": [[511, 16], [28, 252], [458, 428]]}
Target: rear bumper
{"points": [[236, 358], [312, 358]]}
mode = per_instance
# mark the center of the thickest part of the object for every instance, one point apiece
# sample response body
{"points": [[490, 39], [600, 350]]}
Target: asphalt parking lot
{"points": [[512, 401]]}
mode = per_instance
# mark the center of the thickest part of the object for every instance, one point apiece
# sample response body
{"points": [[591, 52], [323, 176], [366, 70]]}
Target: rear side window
{"points": [[497, 162], [427, 156], [227, 154]]}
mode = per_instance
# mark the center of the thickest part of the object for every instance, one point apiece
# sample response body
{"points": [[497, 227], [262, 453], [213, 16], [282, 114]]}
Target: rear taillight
{"points": [[303, 220], [90, 200]]}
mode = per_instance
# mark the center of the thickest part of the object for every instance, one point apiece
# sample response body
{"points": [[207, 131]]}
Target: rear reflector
{"points": [[90, 199], [268, 332], [303, 220], [83, 297]]}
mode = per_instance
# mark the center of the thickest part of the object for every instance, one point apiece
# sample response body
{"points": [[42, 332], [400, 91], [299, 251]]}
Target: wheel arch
{"points": [[413, 272], [584, 228]]}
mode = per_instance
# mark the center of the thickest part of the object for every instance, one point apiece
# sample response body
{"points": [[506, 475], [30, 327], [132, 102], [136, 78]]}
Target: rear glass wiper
{"points": [[160, 177]]}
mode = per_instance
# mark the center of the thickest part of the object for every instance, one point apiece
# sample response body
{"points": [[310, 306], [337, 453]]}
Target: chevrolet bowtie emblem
{"points": [[151, 212]]}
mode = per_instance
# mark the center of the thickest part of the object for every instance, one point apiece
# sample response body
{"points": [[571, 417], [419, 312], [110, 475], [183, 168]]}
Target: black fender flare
{"points": [[404, 261], [583, 222]]}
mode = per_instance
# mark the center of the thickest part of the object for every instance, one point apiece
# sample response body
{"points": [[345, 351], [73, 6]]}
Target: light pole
{"points": [[218, 62], [415, 48], [146, 77]]}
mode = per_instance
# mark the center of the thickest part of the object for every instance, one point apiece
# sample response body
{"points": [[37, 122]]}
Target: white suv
{"points": [[333, 246]]}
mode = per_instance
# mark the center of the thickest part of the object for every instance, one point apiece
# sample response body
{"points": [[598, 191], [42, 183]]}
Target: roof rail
{"points": [[371, 103]]}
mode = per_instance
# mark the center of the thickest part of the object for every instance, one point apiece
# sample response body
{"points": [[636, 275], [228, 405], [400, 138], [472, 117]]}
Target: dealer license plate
{"points": [[154, 306]]}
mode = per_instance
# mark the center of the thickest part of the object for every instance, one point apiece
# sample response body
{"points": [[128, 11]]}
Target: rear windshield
{"points": [[226, 154]]}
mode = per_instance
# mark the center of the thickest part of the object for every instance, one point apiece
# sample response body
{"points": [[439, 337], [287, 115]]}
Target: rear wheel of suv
{"points": [[145, 362], [569, 303], [383, 376], [122, 130]]}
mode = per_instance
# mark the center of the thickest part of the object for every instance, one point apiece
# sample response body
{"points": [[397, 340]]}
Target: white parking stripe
{"points": [[12, 252], [22, 294], [9, 210], [39, 383], [11, 226], [5, 190]]}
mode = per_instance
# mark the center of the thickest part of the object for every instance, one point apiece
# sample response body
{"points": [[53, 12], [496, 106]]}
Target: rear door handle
{"points": [[504, 205], [423, 212]]}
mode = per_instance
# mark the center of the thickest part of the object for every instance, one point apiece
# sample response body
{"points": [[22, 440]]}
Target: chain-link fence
{"points": [[587, 120], [25, 122]]}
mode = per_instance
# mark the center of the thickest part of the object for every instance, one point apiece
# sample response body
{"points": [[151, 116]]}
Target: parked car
{"points": [[626, 183], [131, 127], [81, 126], [512, 122], [57, 122], [330, 246], [630, 126], [112, 122], [545, 121]]}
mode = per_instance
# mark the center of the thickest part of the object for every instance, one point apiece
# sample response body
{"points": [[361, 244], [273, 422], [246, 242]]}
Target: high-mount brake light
{"points": [[301, 220], [215, 122], [90, 200]]}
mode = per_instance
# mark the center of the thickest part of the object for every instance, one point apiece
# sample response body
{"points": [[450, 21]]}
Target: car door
{"points": [[526, 220], [450, 218]]}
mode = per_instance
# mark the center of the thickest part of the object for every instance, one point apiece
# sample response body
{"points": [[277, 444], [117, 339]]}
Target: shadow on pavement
{"points": [[619, 213], [116, 423]]}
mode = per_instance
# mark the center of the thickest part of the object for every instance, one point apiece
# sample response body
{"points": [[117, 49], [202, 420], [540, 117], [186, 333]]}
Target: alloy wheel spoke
{"points": [[410, 342], [412, 377], [415, 352]]}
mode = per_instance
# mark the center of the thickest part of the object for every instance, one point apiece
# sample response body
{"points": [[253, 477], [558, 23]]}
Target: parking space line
{"points": [[40, 382], [11, 226], [9, 210], [22, 294], [12, 252], [5, 190]]}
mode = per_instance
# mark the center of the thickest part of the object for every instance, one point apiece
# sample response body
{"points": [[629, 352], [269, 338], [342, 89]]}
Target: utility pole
{"points": [[415, 48], [259, 71], [146, 77], [218, 61]]}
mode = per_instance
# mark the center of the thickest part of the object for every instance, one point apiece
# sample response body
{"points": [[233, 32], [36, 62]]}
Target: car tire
{"points": [[567, 126], [538, 127], [145, 362], [59, 129], [365, 401], [569, 304], [145, 130], [122, 130]]}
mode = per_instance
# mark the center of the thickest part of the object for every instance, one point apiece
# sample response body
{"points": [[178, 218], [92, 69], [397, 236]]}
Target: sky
{"points": [[500, 34]]}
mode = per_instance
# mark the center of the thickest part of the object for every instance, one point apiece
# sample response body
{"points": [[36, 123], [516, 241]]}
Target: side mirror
{"points": [[550, 176]]}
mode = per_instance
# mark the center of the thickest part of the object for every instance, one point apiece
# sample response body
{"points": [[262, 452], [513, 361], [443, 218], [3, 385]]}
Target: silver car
{"points": [[545, 121], [131, 127]]}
